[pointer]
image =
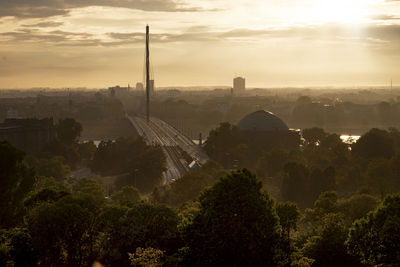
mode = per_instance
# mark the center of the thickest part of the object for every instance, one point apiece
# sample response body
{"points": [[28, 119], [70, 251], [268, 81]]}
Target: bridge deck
{"points": [[158, 132]]}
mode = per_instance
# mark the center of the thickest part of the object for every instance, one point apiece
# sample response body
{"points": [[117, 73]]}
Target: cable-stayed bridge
{"points": [[173, 142]]}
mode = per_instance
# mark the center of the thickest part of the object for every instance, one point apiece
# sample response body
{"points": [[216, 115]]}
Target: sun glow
{"points": [[323, 11], [342, 11]]}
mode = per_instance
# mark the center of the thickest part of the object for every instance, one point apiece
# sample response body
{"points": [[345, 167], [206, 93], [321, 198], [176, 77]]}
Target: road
{"points": [[158, 132]]}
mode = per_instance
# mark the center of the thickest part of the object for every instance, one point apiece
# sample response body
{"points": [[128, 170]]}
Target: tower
{"points": [[147, 75]]}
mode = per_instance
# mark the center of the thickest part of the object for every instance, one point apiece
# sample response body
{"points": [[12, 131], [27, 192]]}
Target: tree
{"points": [[189, 186], [64, 233], [328, 248], [127, 196], [375, 143], [357, 206], [91, 189], [225, 144], [144, 225], [86, 150], [374, 239], [16, 181], [51, 167], [68, 131], [148, 257], [294, 184], [141, 165], [235, 226], [321, 181], [271, 163], [288, 214], [313, 135]]}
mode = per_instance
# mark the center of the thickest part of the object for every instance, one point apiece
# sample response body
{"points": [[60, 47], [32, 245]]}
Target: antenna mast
{"points": [[147, 75]]}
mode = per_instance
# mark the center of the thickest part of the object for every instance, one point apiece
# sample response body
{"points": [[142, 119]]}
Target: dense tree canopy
{"points": [[235, 226], [374, 239], [375, 143], [16, 181], [143, 164], [68, 131]]}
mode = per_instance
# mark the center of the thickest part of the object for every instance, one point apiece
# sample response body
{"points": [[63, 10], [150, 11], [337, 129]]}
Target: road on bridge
{"points": [[158, 132]]}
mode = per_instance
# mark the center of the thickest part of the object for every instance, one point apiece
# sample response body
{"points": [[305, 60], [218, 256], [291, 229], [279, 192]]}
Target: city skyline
{"points": [[272, 43]]}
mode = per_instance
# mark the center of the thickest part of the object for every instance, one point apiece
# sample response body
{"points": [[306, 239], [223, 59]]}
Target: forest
{"points": [[325, 203]]}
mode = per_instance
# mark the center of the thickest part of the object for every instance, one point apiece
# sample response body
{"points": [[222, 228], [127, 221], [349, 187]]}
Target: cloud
{"points": [[48, 8], [45, 24], [385, 35], [30, 35], [385, 17]]}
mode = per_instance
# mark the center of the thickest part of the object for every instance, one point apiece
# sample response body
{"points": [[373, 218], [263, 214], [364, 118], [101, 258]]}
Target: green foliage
{"points": [[271, 163], [51, 167], [144, 164], [328, 248], [357, 206], [235, 226], [375, 143], [68, 151], [16, 181], [288, 214], [87, 150], [64, 233], [189, 186], [303, 186], [68, 131], [313, 135], [21, 250], [143, 225], [374, 239], [294, 183], [127, 196], [224, 144], [148, 257], [90, 189]]}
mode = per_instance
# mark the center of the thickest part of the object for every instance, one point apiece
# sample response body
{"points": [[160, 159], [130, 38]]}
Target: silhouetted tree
{"points": [[235, 226], [294, 184], [375, 143], [68, 131], [328, 248], [313, 135], [16, 181], [288, 214], [127, 196], [374, 239]]}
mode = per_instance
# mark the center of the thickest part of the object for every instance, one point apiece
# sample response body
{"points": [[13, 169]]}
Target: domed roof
{"points": [[262, 121]]}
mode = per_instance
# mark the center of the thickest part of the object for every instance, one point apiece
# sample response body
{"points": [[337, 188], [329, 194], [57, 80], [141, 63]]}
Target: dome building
{"points": [[262, 121], [263, 130]]}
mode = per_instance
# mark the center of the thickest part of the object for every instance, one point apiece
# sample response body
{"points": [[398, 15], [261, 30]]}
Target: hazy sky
{"points": [[100, 43]]}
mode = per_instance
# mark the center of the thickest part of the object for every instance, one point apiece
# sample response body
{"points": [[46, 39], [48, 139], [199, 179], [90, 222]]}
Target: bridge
{"points": [[173, 142]]}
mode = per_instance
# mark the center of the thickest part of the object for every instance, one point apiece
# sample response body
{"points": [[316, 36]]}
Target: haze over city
{"points": [[96, 44]]}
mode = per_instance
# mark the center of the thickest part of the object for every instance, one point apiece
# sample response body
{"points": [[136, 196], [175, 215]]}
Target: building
{"points": [[139, 87], [118, 91], [265, 131], [30, 135], [151, 83], [239, 85]]}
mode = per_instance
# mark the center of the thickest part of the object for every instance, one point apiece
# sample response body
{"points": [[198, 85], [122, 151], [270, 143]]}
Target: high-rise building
{"points": [[239, 85], [151, 83]]}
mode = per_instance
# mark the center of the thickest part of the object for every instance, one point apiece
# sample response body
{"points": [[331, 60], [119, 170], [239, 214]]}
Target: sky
{"points": [[272, 43]]}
